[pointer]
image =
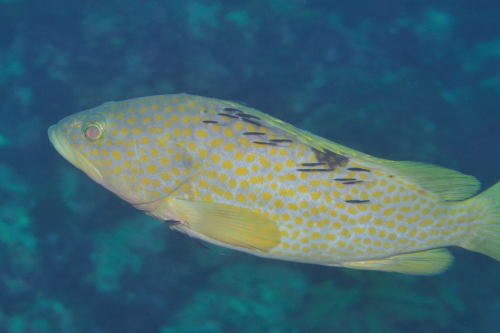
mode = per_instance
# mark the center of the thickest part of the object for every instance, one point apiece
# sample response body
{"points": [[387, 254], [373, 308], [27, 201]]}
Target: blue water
{"points": [[408, 80]]}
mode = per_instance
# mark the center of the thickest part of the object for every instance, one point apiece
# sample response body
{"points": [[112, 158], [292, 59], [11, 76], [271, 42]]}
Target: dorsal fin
{"points": [[446, 183]]}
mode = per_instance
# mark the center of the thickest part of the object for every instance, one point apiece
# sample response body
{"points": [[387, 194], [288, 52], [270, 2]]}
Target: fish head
{"points": [[76, 136], [117, 148]]}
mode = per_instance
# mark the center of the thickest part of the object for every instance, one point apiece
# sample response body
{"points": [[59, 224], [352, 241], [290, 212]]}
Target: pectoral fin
{"points": [[232, 225], [427, 262]]}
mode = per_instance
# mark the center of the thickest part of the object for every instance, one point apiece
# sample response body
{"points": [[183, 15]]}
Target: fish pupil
{"points": [[93, 132]]}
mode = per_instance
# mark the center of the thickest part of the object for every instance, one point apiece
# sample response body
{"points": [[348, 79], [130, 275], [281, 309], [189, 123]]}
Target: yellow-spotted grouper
{"points": [[239, 178]]}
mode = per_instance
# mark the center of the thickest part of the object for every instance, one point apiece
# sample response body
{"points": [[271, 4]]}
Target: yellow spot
{"points": [[131, 120], [278, 204], [345, 233], [215, 158], [192, 146], [266, 196], [243, 183], [202, 152], [359, 230], [240, 197], [178, 157], [238, 155], [401, 228], [330, 236], [151, 168], [250, 157], [239, 126], [315, 235], [201, 133], [228, 132], [229, 146], [388, 211], [146, 120], [164, 160], [426, 222], [265, 162], [315, 195], [187, 131], [116, 155], [241, 171], [227, 164], [302, 188]]}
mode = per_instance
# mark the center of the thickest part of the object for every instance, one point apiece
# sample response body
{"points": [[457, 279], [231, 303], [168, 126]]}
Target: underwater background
{"points": [[406, 80]]}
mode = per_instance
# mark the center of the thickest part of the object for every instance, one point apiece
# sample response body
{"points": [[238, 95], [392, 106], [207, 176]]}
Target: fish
{"points": [[239, 178]]}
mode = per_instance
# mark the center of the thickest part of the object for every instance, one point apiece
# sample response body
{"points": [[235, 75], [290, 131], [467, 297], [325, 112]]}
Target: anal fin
{"points": [[227, 224], [427, 262]]}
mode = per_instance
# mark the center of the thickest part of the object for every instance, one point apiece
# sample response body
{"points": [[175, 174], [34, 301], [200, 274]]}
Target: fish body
{"points": [[239, 178]]}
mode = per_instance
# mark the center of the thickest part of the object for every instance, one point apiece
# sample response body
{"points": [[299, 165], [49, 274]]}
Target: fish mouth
{"points": [[76, 158]]}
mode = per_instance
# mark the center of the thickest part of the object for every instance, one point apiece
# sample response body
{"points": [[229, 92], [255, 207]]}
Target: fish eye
{"points": [[93, 131]]}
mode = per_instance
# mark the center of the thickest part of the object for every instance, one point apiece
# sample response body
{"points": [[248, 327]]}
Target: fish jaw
{"points": [[64, 147]]}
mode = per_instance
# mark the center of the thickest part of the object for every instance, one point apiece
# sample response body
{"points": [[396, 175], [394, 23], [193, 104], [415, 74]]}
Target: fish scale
{"points": [[202, 161]]}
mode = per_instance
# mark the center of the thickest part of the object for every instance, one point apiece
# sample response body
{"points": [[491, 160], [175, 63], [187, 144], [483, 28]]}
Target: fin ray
{"points": [[426, 262], [236, 226], [485, 235], [446, 183]]}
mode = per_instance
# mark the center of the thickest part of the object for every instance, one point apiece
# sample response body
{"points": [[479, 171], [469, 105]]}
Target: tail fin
{"points": [[485, 236]]}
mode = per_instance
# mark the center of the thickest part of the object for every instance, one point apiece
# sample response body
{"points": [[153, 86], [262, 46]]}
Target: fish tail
{"points": [[484, 233]]}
